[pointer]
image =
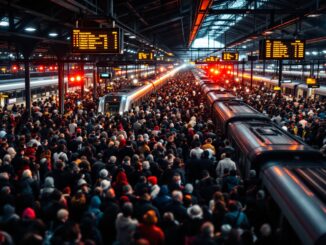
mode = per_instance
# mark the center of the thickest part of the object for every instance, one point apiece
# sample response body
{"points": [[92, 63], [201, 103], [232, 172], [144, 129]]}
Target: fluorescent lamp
{"points": [[30, 29], [53, 34], [4, 23]]}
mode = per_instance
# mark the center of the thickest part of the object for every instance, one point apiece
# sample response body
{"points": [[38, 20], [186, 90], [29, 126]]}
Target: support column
{"points": [[61, 86], [82, 85], [251, 72], [26, 46], [243, 70], [280, 68], [94, 85], [27, 88]]}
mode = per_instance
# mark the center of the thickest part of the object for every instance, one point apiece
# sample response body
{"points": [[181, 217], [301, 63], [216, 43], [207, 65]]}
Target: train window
{"points": [[267, 131], [111, 107]]}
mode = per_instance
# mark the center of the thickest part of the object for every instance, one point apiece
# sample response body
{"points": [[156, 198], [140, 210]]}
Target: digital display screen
{"points": [[106, 41], [212, 59], [230, 56], [105, 75], [282, 49], [312, 82], [145, 56], [277, 88]]}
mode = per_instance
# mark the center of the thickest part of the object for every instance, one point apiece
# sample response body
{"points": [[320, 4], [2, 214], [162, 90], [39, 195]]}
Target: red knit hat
{"points": [[124, 199], [152, 180], [29, 213]]}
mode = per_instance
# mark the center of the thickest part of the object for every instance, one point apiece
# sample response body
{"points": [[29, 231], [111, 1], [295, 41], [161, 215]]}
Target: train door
{"points": [[112, 104]]}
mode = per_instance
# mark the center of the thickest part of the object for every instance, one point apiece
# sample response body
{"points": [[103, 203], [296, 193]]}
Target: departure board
{"points": [[230, 56], [212, 59], [106, 41], [312, 82], [145, 55], [282, 49]]}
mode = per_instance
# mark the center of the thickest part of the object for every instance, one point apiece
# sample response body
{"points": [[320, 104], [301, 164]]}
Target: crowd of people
{"points": [[158, 174]]}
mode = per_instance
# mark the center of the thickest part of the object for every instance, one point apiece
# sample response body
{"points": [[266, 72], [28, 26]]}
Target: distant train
{"points": [[14, 89], [289, 86], [124, 100], [293, 173]]}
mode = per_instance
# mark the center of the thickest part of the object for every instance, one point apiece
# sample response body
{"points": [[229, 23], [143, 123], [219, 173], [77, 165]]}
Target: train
{"points": [[124, 100], [291, 85], [13, 90], [292, 172]]}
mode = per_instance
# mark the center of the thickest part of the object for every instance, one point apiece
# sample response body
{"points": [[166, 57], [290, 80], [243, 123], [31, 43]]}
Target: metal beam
{"points": [[35, 13], [136, 13], [258, 11], [161, 24]]}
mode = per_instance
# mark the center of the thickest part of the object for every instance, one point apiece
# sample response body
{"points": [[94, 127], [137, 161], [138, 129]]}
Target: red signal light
{"points": [[14, 68], [78, 78], [41, 68], [72, 79]]}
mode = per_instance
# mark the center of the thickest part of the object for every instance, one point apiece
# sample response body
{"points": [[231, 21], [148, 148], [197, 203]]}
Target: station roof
{"points": [[166, 26]]}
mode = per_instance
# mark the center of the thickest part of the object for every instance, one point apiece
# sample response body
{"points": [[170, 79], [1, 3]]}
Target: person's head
{"points": [[265, 230], [126, 160], [218, 196], [207, 229], [150, 218], [152, 180], [195, 212], [127, 189], [110, 193], [127, 209], [113, 160], [168, 216], [189, 188], [252, 173], [205, 154], [27, 174], [260, 195], [205, 174], [176, 178], [146, 165], [209, 140], [233, 206], [177, 196], [63, 215]]}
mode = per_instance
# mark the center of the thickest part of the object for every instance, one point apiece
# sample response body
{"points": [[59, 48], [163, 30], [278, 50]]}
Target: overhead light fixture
{"points": [[324, 51], [4, 23], [30, 29], [68, 38], [307, 53], [132, 37], [314, 52], [313, 15], [267, 32], [53, 34]]}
